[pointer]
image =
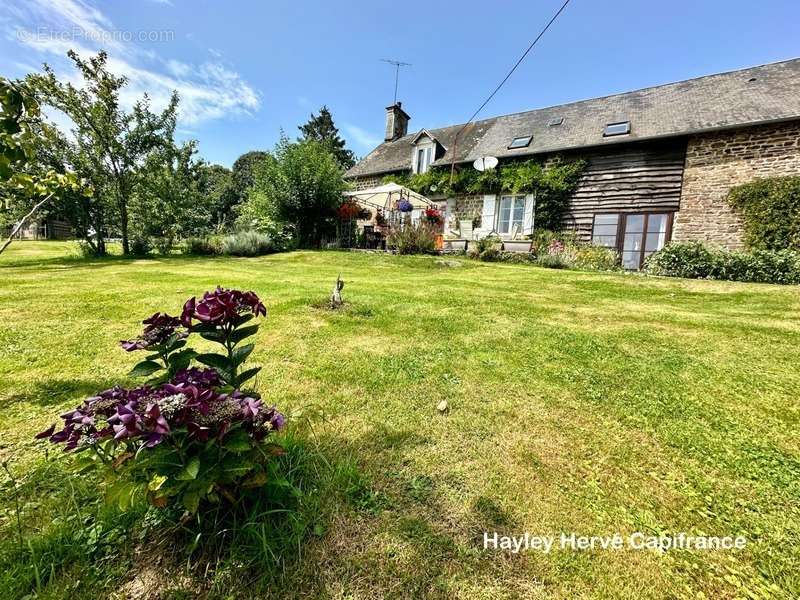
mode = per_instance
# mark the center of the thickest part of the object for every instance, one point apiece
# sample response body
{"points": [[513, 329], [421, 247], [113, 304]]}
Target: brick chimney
{"points": [[396, 122]]}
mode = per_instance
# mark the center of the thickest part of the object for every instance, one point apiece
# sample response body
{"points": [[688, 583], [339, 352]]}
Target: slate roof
{"points": [[767, 93]]}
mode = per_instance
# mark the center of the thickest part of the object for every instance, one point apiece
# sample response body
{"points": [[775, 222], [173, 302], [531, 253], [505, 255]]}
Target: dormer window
{"points": [[425, 152], [520, 142], [620, 128], [424, 159]]}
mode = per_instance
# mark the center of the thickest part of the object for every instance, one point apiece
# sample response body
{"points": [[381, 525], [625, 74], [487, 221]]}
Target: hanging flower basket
{"points": [[433, 216], [380, 219], [404, 206], [348, 210]]}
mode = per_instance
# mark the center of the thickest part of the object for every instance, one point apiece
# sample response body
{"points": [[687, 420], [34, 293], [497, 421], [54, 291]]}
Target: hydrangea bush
{"points": [[189, 434]]}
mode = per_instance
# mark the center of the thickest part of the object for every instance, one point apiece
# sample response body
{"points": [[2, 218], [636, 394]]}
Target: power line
{"points": [[500, 85]]}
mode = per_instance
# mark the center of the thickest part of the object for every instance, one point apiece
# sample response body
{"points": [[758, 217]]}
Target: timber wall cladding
{"points": [[638, 178]]}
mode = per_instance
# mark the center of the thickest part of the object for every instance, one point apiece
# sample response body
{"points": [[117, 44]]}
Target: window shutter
{"points": [[487, 215], [527, 219]]}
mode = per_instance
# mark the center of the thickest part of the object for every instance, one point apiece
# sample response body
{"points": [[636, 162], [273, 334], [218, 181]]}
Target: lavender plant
{"points": [[190, 434]]}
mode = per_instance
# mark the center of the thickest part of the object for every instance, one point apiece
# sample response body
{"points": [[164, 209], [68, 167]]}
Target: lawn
{"points": [[578, 402]]}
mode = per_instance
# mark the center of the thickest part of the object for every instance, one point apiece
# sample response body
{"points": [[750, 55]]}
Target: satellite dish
{"points": [[485, 163]]}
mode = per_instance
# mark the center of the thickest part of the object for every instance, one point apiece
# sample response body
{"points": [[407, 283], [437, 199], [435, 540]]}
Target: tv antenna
{"points": [[397, 64]]}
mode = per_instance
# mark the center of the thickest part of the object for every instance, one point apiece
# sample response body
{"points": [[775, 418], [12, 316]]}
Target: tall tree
{"points": [[245, 170], [108, 145], [168, 201], [320, 128], [217, 186]]}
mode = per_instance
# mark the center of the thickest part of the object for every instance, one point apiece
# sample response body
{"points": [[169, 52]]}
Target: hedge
{"points": [[695, 261]]}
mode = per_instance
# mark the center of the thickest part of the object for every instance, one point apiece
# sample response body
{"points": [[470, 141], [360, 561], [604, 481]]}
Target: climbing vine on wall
{"points": [[552, 184], [770, 210]]}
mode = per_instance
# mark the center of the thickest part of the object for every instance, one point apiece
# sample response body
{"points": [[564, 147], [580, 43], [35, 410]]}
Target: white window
{"points": [[423, 157], [511, 214]]}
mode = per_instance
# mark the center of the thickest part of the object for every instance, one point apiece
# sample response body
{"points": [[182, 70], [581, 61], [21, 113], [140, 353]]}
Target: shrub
{"points": [[141, 246], [553, 250], [411, 238], [189, 434], [770, 209], [696, 261], [759, 266], [247, 243], [542, 239], [553, 261], [163, 245], [513, 257], [692, 260], [486, 249], [299, 184], [202, 246], [85, 250], [596, 258]]}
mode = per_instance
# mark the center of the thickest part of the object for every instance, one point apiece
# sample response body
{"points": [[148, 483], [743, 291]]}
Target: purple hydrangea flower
{"points": [[159, 328], [126, 422], [221, 307], [197, 377]]}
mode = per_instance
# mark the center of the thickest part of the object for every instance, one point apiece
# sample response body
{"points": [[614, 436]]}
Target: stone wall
{"points": [[463, 207], [366, 182], [715, 162]]}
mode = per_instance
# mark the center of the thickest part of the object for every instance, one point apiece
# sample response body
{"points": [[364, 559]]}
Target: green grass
{"points": [[579, 402]]}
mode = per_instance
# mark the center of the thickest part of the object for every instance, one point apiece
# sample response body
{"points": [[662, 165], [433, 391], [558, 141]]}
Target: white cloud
{"points": [[363, 138], [208, 90], [178, 68]]}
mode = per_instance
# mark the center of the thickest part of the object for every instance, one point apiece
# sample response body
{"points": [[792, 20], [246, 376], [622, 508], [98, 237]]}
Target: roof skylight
{"points": [[520, 142], [620, 128], [555, 121]]}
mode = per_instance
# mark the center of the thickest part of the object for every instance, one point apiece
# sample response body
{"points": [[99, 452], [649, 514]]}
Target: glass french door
{"points": [[643, 235]]}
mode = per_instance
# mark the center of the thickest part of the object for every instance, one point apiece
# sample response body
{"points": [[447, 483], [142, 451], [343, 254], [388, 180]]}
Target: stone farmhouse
{"points": [[660, 160]]}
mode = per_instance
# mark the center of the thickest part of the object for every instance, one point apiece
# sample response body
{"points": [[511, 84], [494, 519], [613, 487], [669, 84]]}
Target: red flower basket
{"points": [[433, 216], [349, 210]]}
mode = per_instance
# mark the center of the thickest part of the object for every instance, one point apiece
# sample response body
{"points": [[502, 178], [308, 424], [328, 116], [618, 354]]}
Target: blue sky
{"points": [[247, 69]]}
